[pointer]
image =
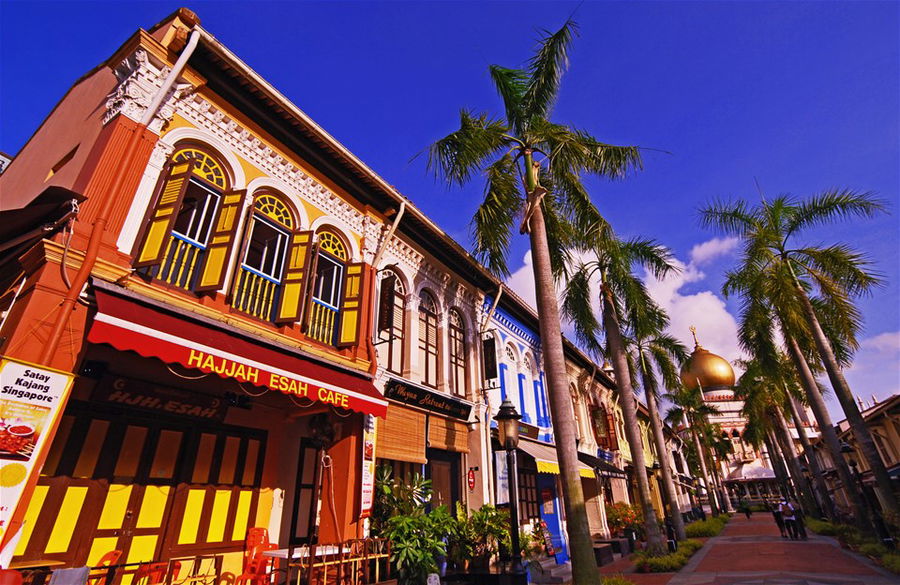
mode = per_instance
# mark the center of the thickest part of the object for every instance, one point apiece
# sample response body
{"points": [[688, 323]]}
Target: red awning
{"points": [[131, 326]]}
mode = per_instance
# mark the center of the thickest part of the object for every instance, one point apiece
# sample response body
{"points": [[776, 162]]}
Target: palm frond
{"points": [[457, 157], [545, 70], [577, 306], [831, 205], [731, 218], [492, 226], [511, 84]]}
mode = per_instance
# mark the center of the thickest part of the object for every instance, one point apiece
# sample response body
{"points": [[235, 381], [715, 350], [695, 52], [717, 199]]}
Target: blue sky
{"points": [[800, 96]]}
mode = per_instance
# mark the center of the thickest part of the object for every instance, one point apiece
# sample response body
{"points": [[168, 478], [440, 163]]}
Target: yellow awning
{"points": [[545, 457]]}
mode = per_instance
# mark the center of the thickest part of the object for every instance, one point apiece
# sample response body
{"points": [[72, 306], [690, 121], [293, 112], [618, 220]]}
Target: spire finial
{"points": [[694, 333]]}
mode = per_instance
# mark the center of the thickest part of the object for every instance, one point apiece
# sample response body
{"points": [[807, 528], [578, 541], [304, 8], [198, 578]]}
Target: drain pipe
{"points": [[490, 315], [370, 343], [93, 247]]}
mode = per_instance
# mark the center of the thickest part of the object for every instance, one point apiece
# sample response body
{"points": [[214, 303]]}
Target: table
{"points": [[302, 552]]}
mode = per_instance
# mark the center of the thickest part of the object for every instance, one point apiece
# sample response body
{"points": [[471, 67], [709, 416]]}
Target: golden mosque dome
{"points": [[707, 369]]}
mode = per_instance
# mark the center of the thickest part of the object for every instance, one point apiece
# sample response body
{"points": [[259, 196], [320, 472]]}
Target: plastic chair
{"points": [[155, 573], [110, 558], [10, 577], [256, 537], [256, 572]]}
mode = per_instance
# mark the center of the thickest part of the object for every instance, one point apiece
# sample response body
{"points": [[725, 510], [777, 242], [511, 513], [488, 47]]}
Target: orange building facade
{"points": [[205, 284]]}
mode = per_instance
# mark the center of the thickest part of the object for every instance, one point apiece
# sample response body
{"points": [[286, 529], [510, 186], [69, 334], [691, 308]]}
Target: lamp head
{"points": [[508, 425]]}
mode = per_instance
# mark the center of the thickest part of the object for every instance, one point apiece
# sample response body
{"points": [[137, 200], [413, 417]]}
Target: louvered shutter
{"points": [[218, 251], [308, 287], [290, 305], [351, 308], [163, 217], [386, 303], [611, 428]]}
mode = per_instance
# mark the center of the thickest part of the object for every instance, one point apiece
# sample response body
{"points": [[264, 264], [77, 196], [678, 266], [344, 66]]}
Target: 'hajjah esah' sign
{"points": [[128, 392], [426, 399]]}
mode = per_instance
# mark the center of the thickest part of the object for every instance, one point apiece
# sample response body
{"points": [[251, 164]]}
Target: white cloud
{"points": [[709, 250], [716, 327], [705, 310]]}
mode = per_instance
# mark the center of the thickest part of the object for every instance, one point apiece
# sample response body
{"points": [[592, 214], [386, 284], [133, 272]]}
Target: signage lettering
{"points": [[426, 399], [138, 394]]}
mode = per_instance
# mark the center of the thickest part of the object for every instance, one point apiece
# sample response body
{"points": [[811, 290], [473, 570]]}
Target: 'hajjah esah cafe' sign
{"points": [[426, 399]]}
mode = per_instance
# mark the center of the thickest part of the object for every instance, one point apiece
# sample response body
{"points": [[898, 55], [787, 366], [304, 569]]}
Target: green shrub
{"points": [[873, 549], [615, 580], [708, 527], [891, 562], [668, 563], [822, 527]]}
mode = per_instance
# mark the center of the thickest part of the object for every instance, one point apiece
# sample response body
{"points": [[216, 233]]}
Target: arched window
{"points": [[325, 308], [428, 338], [266, 244], [392, 320], [188, 237], [457, 330]]}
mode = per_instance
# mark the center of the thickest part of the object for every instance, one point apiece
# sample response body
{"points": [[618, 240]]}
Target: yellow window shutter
{"points": [[307, 298], [171, 194], [290, 304], [351, 308], [218, 250]]}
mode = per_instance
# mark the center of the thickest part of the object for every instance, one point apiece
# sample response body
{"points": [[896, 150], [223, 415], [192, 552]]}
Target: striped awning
{"points": [[545, 457]]}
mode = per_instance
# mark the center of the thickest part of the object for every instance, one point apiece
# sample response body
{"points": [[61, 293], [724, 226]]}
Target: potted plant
{"points": [[491, 527]]}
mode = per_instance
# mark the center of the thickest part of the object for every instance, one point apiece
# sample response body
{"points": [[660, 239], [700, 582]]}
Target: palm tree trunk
{"points": [[826, 429], [668, 483], [584, 565], [713, 499], [778, 463], [629, 413], [783, 434], [825, 503], [861, 433]]}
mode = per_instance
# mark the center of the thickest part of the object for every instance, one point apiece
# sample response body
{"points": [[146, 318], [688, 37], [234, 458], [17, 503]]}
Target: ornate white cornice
{"points": [[140, 78]]}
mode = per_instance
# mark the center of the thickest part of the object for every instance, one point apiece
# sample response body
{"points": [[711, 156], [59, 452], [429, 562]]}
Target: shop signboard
{"points": [[368, 465], [426, 399], [122, 391], [31, 402]]}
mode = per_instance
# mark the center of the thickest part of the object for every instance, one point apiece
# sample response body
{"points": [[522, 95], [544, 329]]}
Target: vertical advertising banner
{"points": [[502, 477], [368, 465], [31, 400]]}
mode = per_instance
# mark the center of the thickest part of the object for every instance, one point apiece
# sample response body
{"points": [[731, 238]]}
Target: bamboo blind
{"points": [[447, 434], [401, 437]]}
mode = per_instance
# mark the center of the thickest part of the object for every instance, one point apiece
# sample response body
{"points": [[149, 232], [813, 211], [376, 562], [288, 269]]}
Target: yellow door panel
{"points": [[153, 506], [242, 515], [31, 516], [114, 508], [100, 547], [61, 535], [219, 516], [190, 524]]}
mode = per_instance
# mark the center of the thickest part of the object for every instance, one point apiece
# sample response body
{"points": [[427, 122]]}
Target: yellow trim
{"points": [[553, 467], [69, 511]]}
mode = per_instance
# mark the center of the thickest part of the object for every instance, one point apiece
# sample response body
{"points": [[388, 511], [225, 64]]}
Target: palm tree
{"points": [[551, 205], [624, 300], [655, 352], [690, 411], [836, 272], [764, 393]]}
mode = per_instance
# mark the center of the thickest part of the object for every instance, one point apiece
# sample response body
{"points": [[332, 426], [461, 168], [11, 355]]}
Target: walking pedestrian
{"points": [[745, 508], [790, 519], [776, 514]]}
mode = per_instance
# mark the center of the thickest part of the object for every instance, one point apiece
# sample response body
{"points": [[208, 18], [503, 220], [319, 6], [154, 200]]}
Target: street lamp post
{"points": [[877, 521], [508, 432]]}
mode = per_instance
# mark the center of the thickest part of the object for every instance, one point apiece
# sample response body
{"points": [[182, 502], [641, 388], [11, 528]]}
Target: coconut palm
{"points": [[764, 392], [836, 272], [654, 353], [533, 169], [691, 411], [624, 301]]}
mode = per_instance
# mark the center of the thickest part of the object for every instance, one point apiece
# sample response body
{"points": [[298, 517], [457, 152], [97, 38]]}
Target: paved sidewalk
{"points": [[751, 552]]}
